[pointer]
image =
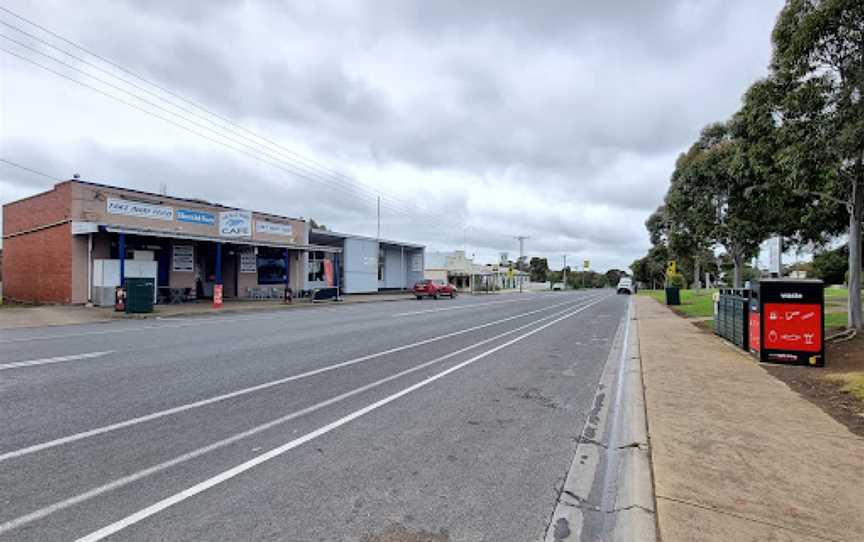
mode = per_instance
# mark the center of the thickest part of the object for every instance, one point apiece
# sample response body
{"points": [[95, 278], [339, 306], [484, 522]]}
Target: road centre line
{"points": [[458, 307], [58, 359], [126, 480], [168, 502], [204, 402]]}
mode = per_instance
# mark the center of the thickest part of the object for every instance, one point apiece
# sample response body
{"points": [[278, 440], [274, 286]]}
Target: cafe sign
{"points": [[273, 228], [235, 224], [116, 206]]}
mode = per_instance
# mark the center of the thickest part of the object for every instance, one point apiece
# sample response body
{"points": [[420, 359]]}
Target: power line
{"points": [[31, 170], [251, 154], [324, 168], [315, 172]]}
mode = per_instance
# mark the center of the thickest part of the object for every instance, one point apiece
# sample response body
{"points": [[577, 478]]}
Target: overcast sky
{"points": [[477, 121]]}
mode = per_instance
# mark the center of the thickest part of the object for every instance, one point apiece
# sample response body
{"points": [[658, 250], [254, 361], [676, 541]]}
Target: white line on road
{"points": [[204, 402], [126, 480], [457, 307], [168, 502], [174, 323], [58, 359]]}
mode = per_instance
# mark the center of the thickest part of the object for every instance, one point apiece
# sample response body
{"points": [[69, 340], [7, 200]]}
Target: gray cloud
{"points": [[557, 119]]}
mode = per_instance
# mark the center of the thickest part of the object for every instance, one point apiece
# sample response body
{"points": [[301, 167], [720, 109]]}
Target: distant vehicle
{"points": [[434, 289], [625, 286], [558, 286]]}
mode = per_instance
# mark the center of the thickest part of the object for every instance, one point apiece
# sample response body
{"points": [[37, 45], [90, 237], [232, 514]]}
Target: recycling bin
{"points": [[787, 320], [139, 294], [731, 317], [673, 296]]}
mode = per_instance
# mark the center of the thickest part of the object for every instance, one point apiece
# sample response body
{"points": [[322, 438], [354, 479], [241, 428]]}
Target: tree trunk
{"points": [[855, 215], [738, 262], [696, 279]]}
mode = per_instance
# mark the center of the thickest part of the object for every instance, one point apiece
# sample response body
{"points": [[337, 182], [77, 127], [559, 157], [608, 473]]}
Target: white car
{"points": [[625, 286], [558, 286]]}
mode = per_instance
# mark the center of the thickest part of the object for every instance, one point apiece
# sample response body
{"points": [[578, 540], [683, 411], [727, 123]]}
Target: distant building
{"points": [[461, 271]]}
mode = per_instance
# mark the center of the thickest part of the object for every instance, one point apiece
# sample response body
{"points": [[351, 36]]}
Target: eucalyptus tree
{"points": [[818, 66]]}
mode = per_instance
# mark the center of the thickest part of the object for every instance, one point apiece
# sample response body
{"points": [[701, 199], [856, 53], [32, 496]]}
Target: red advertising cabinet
{"points": [[787, 323]]}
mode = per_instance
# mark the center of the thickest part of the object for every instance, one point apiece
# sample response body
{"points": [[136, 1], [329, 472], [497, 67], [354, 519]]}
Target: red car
{"points": [[434, 289]]}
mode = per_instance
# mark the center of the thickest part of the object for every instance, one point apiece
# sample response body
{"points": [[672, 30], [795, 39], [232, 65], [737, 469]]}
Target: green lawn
{"points": [[703, 304], [691, 304]]}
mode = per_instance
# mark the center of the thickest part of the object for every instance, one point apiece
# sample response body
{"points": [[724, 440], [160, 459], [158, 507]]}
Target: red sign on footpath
{"points": [[793, 326], [217, 296], [755, 343]]}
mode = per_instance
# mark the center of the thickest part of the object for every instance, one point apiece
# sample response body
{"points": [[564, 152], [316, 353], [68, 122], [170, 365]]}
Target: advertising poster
{"points": [[328, 272]]}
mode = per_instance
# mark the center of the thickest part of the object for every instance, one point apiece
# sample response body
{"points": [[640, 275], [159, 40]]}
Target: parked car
{"points": [[434, 289], [625, 286], [557, 286]]}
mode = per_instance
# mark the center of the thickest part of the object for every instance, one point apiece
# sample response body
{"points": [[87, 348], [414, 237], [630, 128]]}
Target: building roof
{"points": [[339, 235], [198, 201]]}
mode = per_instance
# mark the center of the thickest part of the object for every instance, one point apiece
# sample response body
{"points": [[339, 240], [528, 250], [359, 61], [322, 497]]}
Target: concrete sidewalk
{"points": [[14, 317], [736, 454]]}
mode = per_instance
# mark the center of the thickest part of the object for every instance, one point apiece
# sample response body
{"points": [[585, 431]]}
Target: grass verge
{"points": [[692, 304], [853, 383]]}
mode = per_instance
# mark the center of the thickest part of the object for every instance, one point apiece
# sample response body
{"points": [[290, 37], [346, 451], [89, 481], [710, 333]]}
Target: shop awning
{"points": [[194, 237]]}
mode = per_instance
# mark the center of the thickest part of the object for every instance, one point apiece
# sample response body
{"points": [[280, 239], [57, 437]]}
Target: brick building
{"points": [[76, 242]]}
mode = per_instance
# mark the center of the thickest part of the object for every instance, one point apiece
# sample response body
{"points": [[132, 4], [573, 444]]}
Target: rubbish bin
{"points": [[787, 319], [731, 316], [139, 295], [673, 296]]}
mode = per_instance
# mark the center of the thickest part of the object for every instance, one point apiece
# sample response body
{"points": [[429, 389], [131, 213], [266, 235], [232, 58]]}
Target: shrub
{"points": [[676, 280]]}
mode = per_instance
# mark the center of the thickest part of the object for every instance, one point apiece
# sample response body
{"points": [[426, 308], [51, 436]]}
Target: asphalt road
{"points": [[454, 419]]}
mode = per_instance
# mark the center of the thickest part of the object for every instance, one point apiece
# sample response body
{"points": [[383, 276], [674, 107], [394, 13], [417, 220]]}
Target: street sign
{"points": [[586, 264], [671, 268]]}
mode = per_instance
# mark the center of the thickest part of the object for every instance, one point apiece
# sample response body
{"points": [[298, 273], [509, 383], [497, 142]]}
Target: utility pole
{"points": [[521, 239], [379, 218], [564, 272]]}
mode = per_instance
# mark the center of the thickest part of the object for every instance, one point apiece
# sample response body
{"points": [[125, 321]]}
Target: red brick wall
{"points": [[37, 266]]}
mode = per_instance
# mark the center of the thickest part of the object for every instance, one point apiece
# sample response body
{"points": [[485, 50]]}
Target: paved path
{"points": [[455, 418], [737, 455]]}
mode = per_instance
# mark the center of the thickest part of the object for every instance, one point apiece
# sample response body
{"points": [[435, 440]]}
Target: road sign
{"points": [[586, 264], [671, 268]]}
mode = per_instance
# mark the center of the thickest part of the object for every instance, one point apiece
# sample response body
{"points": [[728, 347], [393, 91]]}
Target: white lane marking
{"points": [[168, 502], [126, 480], [58, 359], [204, 319], [458, 307], [197, 404]]}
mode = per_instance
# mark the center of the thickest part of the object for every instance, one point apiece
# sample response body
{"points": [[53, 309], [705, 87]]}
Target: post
{"points": [[217, 288], [379, 218], [121, 250], [564, 272], [402, 265], [336, 274], [89, 269], [287, 270]]}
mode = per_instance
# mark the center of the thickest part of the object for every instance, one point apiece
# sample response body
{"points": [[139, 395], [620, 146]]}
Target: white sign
{"points": [[235, 224], [183, 260], [775, 253], [417, 262], [248, 262], [79, 228], [273, 228], [138, 209]]}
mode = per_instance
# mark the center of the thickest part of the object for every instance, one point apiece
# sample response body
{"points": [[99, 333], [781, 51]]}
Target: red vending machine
{"points": [[787, 321]]}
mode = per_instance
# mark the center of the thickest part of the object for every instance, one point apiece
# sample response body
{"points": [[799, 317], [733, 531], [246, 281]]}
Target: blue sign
{"points": [[196, 217]]}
